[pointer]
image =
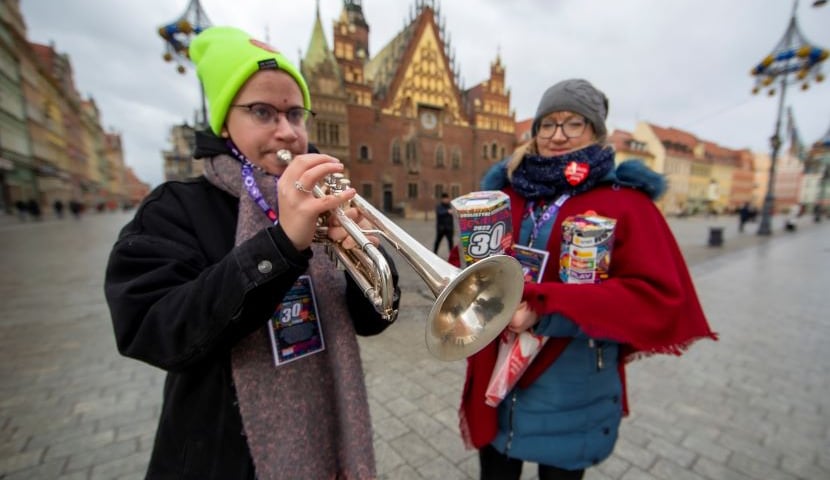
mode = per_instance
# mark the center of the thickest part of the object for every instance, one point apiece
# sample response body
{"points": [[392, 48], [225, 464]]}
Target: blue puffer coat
{"points": [[570, 416]]}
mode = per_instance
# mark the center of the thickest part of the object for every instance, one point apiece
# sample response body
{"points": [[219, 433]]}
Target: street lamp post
{"points": [[793, 59], [765, 227]]}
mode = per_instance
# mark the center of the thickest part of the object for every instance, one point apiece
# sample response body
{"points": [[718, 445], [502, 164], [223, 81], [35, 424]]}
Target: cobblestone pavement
{"points": [[755, 405]]}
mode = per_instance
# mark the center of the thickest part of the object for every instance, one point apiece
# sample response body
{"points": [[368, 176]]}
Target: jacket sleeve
{"points": [[171, 305], [648, 301]]}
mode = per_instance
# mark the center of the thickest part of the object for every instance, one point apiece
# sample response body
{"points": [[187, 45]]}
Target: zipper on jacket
{"points": [[600, 361], [510, 423]]}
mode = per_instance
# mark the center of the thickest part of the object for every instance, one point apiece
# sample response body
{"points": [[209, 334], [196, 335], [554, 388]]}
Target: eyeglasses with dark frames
{"points": [[266, 114], [571, 128]]}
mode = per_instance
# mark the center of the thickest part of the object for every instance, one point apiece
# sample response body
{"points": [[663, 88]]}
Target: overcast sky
{"points": [[677, 63]]}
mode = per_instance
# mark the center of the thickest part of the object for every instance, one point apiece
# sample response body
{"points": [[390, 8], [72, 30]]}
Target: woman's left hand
{"points": [[523, 319]]}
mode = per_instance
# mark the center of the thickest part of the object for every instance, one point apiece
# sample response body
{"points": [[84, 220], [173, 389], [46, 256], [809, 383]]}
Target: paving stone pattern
{"points": [[754, 405]]}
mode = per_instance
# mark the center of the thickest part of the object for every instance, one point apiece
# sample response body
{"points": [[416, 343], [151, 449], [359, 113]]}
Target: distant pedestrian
{"points": [[76, 208], [22, 209], [443, 223], [34, 208], [57, 206], [744, 214], [793, 213], [817, 211]]}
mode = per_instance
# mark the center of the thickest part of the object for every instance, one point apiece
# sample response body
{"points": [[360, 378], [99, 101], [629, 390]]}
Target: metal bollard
{"points": [[715, 236]]}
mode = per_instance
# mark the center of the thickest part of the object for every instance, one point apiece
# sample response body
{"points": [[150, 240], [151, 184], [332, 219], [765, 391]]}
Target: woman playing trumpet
{"points": [[216, 281]]}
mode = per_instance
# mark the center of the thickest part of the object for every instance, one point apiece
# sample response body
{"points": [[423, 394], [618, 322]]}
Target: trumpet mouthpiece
{"points": [[284, 156]]}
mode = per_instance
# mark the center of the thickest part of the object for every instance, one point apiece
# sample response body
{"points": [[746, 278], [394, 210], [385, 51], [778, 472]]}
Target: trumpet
{"points": [[472, 305]]}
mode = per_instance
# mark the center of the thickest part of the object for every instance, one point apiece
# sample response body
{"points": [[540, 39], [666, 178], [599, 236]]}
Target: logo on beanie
{"points": [[263, 45], [269, 64]]}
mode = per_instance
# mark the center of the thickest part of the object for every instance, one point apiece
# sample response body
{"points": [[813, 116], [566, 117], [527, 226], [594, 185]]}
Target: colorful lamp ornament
{"points": [[178, 33], [793, 54]]}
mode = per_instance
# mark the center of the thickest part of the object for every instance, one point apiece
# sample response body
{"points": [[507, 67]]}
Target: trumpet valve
{"points": [[338, 183]]}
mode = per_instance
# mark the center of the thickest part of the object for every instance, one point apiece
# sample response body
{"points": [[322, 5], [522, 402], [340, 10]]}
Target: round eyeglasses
{"points": [[571, 128], [265, 114]]}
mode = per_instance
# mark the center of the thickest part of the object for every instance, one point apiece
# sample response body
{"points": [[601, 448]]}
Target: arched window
{"points": [[396, 152], [363, 155], [456, 158], [412, 157], [494, 150], [439, 156]]}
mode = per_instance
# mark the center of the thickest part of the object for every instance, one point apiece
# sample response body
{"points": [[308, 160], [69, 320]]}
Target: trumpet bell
{"points": [[474, 308], [472, 305]]}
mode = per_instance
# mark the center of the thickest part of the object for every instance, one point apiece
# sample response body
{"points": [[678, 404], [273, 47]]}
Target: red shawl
{"points": [[648, 304]]}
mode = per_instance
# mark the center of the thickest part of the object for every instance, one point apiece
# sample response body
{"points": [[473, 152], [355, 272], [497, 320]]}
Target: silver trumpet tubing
{"points": [[472, 305]]}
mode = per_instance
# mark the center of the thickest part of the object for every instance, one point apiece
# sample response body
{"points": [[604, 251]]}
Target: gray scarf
{"points": [[309, 418]]}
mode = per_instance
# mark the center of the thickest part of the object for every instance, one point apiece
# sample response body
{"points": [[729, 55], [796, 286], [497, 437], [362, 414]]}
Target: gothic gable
{"points": [[423, 76]]}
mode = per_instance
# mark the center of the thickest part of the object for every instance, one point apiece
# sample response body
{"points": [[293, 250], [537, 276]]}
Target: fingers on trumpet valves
{"points": [[337, 183]]}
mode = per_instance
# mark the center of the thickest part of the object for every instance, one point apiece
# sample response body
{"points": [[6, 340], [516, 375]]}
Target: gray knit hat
{"points": [[578, 96]]}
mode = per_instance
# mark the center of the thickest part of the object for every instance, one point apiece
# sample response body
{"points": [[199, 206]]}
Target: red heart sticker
{"points": [[575, 173]]}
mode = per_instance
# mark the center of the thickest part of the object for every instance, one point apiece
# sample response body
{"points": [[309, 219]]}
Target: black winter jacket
{"points": [[181, 296]]}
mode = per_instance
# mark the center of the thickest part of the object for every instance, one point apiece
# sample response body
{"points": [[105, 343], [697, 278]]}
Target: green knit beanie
{"points": [[225, 57]]}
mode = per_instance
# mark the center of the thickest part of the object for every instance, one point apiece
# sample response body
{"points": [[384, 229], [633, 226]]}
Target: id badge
{"points": [[295, 325], [533, 262]]}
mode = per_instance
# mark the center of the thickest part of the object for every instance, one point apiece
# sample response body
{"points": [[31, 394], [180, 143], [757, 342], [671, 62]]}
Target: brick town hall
{"points": [[399, 120]]}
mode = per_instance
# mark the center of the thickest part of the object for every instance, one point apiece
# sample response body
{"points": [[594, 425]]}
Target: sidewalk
{"points": [[752, 406]]}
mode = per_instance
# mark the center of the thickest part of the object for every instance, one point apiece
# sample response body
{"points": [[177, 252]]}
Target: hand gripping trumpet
{"points": [[472, 305]]}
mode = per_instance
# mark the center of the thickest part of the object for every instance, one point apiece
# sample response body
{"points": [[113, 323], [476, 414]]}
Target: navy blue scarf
{"points": [[545, 177]]}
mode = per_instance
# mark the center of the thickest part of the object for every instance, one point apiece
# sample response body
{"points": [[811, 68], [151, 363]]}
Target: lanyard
{"points": [[548, 214], [251, 186]]}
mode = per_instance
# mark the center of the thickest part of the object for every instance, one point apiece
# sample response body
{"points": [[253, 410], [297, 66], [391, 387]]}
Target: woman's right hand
{"points": [[523, 319], [299, 209]]}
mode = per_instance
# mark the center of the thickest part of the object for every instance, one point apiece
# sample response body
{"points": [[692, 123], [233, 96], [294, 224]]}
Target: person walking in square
{"points": [[444, 223], [57, 206], [744, 214]]}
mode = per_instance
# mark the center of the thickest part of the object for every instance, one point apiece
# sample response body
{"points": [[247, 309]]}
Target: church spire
{"points": [[318, 48]]}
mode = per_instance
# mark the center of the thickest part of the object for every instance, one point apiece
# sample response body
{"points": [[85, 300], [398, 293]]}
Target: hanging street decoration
{"points": [[793, 55], [178, 34]]}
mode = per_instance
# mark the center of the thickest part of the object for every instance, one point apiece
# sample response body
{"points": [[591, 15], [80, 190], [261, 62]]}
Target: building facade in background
{"points": [[819, 162], [52, 145], [179, 163]]}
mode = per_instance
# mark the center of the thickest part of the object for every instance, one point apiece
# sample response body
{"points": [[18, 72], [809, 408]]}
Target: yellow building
{"points": [[724, 164], [673, 152], [45, 125]]}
